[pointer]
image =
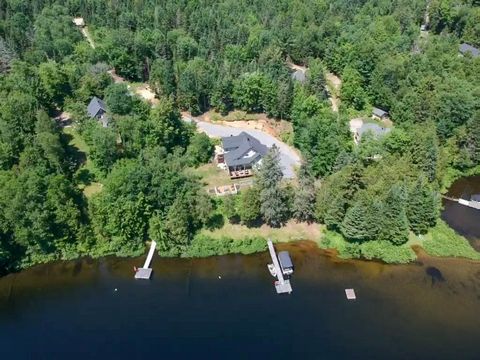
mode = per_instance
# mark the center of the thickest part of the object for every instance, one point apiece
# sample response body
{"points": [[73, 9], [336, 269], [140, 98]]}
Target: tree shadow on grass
{"points": [[84, 176], [216, 221]]}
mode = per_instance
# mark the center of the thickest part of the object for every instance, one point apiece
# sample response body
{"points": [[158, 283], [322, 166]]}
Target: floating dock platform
{"points": [[281, 285], [145, 272], [350, 293]]}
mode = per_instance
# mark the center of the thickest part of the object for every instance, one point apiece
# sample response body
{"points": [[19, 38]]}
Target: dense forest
{"points": [[203, 54]]}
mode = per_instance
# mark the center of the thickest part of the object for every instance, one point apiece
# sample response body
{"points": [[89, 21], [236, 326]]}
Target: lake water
{"points": [[427, 310], [463, 219]]}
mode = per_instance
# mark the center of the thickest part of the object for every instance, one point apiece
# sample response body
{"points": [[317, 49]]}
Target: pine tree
{"points": [[273, 205], [335, 213], [422, 208], [394, 224], [304, 200], [360, 221]]}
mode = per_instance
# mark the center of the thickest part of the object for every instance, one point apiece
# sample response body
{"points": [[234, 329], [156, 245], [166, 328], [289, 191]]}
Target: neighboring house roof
{"points": [[285, 261], [96, 105], [238, 148], [379, 112], [466, 48], [377, 130], [299, 75]]}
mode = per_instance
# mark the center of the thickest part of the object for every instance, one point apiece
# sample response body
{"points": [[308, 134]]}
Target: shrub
{"points": [[387, 252], [444, 241], [204, 245]]}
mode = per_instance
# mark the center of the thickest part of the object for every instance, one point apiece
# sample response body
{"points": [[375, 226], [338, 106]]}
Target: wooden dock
{"points": [[472, 204], [282, 285], [145, 272]]}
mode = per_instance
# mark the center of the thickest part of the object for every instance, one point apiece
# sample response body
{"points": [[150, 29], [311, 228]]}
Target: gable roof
{"points": [[299, 75], [95, 106], [466, 48], [377, 130], [379, 112], [238, 146]]}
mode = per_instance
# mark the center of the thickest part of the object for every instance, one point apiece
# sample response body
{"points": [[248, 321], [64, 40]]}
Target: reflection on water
{"points": [[463, 219], [423, 310]]}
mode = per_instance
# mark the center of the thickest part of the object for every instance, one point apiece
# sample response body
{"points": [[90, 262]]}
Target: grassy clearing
{"points": [[92, 189], [292, 231], [76, 140], [211, 175], [444, 241], [87, 173], [236, 115]]}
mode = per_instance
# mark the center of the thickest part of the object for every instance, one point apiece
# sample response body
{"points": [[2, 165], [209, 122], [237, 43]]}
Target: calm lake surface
{"points": [[463, 219], [427, 310]]}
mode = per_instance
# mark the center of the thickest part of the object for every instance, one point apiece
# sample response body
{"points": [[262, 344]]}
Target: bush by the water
{"points": [[203, 246], [375, 249], [444, 241]]}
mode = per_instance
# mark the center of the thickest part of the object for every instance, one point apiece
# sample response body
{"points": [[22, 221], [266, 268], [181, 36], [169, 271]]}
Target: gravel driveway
{"points": [[289, 158]]}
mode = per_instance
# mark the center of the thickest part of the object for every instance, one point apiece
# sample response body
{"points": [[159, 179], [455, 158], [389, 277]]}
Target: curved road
{"points": [[289, 159]]}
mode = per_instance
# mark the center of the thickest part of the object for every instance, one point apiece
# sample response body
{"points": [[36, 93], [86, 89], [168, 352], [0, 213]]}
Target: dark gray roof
{"points": [[237, 147], [466, 48], [95, 106], [299, 75], [379, 112], [377, 130], [285, 261]]}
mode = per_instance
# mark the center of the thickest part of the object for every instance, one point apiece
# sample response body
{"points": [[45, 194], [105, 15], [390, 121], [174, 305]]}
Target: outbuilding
{"points": [[97, 109], [380, 114], [465, 48]]}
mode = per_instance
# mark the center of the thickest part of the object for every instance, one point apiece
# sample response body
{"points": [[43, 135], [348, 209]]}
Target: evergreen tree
{"points": [[336, 212], [422, 208], [425, 150], [360, 221], [394, 224], [304, 199], [249, 206], [273, 205]]}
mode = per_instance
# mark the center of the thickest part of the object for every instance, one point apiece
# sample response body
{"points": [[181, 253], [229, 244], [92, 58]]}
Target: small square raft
{"points": [[143, 273], [350, 294]]}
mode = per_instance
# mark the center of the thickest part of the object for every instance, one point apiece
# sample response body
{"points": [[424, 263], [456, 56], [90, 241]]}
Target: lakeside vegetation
{"points": [[93, 190]]}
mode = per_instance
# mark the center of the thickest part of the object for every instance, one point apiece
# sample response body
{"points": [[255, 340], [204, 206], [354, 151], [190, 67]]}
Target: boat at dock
{"points": [[271, 268]]}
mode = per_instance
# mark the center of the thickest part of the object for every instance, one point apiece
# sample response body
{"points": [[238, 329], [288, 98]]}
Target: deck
{"points": [[281, 285]]}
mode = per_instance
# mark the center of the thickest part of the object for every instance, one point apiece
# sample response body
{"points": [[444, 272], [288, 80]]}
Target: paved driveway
{"points": [[289, 158]]}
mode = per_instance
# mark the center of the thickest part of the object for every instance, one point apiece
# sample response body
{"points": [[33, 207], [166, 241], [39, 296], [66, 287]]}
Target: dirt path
{"points": [[334, 83], [143, 90], [87, 36]]}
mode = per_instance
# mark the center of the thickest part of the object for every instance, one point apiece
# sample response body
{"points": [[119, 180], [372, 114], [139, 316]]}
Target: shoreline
{"points": [[331, 253]]}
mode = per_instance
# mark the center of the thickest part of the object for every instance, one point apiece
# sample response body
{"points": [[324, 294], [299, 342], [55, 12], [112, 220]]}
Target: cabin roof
{"points": [[95, 106], [379, 112], [467, 48]]}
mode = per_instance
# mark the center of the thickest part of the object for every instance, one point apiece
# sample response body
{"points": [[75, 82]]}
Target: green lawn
{"points": [[211, 175], [86, 174], [292, 231]]}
